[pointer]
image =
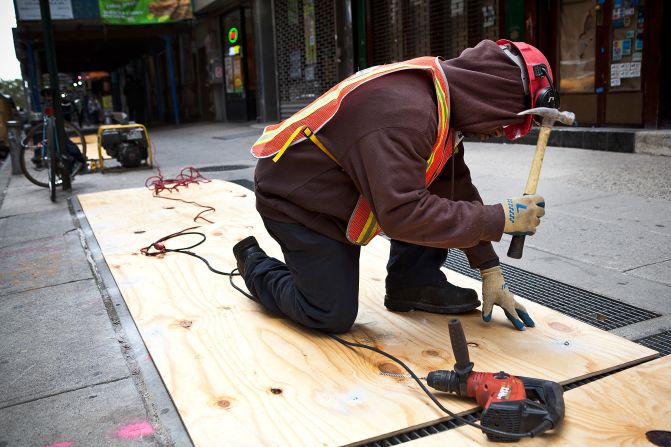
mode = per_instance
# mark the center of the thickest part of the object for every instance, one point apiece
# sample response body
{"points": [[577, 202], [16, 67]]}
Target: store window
{"points": [[578, 37]]}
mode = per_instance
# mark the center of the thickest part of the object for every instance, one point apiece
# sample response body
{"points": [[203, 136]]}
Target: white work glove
{"points": [[495, 291], [522, 214]]}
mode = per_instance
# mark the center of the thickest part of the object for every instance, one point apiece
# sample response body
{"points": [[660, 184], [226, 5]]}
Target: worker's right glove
{"points": [[522, 214]]}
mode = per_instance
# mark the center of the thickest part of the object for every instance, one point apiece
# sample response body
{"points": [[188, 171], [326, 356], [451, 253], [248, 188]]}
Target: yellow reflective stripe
{"points": [[287, 143], [308, 133], [367, 229], [372, 234], [430, 161]]}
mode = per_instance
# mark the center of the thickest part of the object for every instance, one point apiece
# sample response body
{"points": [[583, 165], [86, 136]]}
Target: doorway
{"points": [[239, 65]]}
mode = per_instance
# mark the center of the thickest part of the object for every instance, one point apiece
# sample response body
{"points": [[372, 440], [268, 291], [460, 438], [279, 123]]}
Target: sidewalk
{"points": [[74, 371]]}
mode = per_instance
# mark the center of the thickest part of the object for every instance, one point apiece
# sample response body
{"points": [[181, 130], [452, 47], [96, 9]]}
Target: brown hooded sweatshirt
{"points": [[382, 136]]}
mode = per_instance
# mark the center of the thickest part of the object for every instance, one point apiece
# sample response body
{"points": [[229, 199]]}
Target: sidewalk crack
{"points": [[645, 265], [63, 392], [49, 285]]}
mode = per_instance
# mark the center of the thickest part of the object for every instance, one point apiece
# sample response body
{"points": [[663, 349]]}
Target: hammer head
{"points": [[550, 115]]}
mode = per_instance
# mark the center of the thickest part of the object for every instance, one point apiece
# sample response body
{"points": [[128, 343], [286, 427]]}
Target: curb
{"points": [[653, 142]]}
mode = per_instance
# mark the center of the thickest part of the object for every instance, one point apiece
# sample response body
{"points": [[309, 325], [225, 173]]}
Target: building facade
{"points": [[262, 60]]}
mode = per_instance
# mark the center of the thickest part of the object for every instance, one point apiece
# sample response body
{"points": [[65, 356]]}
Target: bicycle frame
{"points": [[50, 151]]}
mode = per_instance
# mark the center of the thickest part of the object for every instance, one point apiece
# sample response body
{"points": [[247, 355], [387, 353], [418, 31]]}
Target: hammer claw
{"points": [[550, 115]]}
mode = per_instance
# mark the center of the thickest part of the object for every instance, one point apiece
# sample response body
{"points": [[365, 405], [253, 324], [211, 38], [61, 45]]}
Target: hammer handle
{"points": [[517, 243]]}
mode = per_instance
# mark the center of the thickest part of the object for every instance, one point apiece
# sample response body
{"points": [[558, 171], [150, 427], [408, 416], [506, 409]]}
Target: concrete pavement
{"points": [[74, 371]]}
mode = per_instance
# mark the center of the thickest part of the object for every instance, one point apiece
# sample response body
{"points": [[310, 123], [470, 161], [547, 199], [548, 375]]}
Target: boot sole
{"points": [[406, 306]]}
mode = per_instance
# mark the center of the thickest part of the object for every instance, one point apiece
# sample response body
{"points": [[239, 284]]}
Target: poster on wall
{"points": [[30, 9], [626, 54], [143, 12]]}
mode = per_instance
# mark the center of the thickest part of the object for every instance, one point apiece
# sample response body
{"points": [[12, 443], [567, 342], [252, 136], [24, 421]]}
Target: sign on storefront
{"points": [[142, 12], [30, 9]]}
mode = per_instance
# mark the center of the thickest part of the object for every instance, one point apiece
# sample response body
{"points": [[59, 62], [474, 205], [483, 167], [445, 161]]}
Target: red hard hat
{"points": [[537, 78]]}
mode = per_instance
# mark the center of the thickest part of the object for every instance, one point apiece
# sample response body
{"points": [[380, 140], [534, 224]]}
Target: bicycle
{"points": [[41, 159]]}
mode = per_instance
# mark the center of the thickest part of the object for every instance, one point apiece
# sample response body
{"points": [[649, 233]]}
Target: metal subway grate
{"points": [[424, 431], [219, 168], [659, 342], [235, 136], [591, 308]]}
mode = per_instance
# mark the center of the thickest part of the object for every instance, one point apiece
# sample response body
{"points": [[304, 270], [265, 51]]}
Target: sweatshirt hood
{"points": [[485, 89]]}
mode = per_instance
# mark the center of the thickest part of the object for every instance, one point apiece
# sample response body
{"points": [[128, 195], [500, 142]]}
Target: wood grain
{"points": [[614, 411], [240, 376]]}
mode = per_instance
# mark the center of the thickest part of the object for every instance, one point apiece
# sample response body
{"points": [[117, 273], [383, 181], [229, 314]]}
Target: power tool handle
{"points": [[550, 394], [459, 346]]}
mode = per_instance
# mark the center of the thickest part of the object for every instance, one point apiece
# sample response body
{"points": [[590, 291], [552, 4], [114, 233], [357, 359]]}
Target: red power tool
{"points": [[516, 405]]}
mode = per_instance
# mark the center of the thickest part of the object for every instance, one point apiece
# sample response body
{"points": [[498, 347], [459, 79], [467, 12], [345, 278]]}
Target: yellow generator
{"points": [[129, 144]]}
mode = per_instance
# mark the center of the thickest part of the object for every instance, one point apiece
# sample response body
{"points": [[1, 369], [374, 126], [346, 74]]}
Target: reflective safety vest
{"points": [[304, 124]]}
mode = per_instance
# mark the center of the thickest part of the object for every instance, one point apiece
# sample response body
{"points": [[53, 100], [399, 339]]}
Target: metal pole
{"points": [[34, 83], [171, 77], [158, 86], [52, 64], [14, 128]]}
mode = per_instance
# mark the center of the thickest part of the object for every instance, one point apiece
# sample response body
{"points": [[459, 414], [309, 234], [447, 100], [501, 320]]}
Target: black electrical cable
{"points": [[160, 248]]}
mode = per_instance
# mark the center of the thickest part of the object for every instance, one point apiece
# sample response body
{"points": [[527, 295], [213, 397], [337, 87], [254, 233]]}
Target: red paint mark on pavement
{"points": [[136, 430], [60, 444]]}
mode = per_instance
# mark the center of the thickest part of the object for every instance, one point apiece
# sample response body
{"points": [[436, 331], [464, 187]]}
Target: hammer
{"points": [[550, 116]]}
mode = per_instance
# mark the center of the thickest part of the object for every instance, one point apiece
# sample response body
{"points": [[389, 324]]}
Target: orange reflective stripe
{"points": [[319, 112]]}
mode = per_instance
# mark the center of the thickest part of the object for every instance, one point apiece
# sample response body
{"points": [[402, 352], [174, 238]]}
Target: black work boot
{"points": [[443, 298], [245, 251]]}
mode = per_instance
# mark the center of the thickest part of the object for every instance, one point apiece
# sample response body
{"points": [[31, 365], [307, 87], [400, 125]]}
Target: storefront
{"points": [[306, 51], [238, 64], [609, 61], [607, 55], [235, 53], [401, 30]]}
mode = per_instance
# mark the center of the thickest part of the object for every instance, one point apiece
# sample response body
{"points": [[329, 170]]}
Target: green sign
{"points": [[233, 35], [143, 12]]}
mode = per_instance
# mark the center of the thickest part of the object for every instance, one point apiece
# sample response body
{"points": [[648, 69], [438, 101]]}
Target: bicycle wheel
{"points": [[34, 159], [75, 135], [52, 162]]}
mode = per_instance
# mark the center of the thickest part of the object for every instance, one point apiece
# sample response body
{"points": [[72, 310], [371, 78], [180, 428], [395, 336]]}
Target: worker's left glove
{"points": [[495, 291]]}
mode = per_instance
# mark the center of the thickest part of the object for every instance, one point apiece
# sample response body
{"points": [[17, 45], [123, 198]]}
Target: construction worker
{"points": [[381, 151]]}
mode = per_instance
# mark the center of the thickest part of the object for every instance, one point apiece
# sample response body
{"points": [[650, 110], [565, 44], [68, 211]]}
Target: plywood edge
{"points": [[616, 369]]}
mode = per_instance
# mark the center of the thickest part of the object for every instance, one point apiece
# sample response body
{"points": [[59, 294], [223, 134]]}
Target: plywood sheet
{"points": [[617, 410], [240, 376]]}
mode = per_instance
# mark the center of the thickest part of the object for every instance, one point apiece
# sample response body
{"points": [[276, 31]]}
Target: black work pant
{"points": [[318, 286]]}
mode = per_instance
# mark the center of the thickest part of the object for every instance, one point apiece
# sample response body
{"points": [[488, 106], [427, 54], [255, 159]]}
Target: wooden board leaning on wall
{"points": [[240, 376]]}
